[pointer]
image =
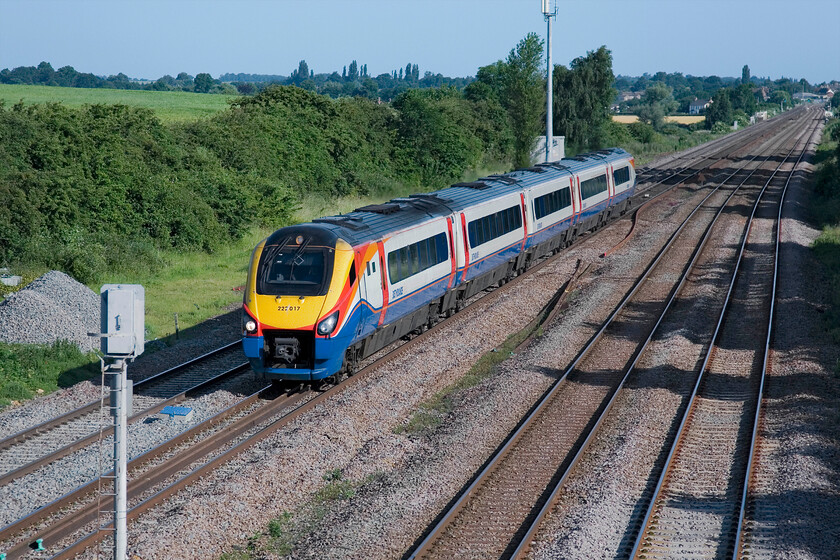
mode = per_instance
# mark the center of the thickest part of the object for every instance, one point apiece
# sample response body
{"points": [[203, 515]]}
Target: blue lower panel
{"points": [[548, 233], [415, 300], [329, 357], [492, 261]]}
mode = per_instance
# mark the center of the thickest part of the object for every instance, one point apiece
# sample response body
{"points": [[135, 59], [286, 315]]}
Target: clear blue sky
{"points": [[151, 38]]}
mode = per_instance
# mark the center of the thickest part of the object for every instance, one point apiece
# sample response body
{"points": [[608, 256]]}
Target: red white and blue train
{"points": [[323, 295]]}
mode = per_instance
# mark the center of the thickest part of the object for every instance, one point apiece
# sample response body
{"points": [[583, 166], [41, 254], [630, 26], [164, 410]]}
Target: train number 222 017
{"points": [[288, 308]]}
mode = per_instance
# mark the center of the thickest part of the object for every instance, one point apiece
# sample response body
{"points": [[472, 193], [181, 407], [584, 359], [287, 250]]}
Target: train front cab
{"points": [[301, 284]]}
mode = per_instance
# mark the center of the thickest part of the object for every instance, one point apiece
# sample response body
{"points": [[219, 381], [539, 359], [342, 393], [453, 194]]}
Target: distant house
{"points": [[698, 105], [628, 95], [826, 92], [805, 96], [762, 93]]}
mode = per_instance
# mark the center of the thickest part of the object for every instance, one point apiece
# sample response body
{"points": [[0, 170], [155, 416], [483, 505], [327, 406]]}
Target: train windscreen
{"points": [[294, 271]]}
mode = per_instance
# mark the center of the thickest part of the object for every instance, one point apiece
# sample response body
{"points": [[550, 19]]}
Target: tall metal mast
{"points": [[548, 14]]}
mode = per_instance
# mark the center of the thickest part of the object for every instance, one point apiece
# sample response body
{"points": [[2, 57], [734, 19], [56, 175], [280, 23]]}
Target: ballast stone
{"points": [[53, 307]]}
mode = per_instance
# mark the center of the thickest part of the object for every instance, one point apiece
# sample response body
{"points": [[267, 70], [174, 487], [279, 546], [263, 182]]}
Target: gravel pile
{"points": [[53, 307]]}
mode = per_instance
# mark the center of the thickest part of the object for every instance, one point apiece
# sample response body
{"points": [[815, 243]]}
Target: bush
{"points": [[641, 131]]}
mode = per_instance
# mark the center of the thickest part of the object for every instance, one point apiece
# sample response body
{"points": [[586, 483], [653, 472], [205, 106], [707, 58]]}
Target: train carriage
{"points": [[323, 295]]}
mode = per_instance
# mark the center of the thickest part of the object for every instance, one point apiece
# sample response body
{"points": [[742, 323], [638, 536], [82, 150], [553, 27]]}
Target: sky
{"points": [[151, 38]]}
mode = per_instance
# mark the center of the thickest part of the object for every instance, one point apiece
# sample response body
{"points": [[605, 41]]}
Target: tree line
{"points": [[353, 81], [684, 89], [89, 189]]}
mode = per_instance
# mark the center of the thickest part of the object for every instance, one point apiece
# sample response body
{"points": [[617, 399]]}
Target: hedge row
{"points": [[86, 189]]}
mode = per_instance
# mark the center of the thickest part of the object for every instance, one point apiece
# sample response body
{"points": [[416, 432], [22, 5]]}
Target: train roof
{"points": [[375, 221]]}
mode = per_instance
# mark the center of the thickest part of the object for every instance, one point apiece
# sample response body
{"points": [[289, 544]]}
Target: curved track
{"points": [[501, 509], [28, 450]]}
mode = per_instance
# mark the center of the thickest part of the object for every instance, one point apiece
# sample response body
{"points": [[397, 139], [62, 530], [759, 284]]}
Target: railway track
{"points": [[714, 151], [503, 506], [29, 450], [26, 531], [698, 505]]}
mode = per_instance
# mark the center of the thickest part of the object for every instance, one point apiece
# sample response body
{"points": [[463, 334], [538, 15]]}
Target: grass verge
{"points": [[432, 412], [826, 211], [29, 370]]}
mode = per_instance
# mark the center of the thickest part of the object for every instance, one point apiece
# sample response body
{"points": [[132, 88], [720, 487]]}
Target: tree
{"points": [[657, 101], [743, 99], [781, 96], [353, 72], [523, 95], [301, 74], [435, 132], [582, 97], [745, 74], [203, 83], [720, 110]]}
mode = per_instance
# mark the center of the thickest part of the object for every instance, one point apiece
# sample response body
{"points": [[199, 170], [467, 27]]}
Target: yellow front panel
{"points": [[296, 312]]}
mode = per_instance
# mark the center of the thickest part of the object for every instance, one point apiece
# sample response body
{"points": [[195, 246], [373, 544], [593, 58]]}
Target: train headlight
{"points": [[249, 324], [327, 326]]}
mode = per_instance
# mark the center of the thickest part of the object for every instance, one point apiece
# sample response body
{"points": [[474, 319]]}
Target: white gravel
{"points": [[53, 307]]}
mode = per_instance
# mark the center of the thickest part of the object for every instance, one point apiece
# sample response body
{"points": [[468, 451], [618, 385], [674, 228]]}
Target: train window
{"points": [[417, 257], [294, 271], [495, 225], [405, 263], [414, 258], [593, 186], [621, 175], [351, 277], [442, 252], [552, 202], [423, 249]]}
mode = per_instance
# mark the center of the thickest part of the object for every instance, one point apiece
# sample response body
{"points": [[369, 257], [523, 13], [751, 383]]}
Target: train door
{"points": [[373, 282], [370, 290]]}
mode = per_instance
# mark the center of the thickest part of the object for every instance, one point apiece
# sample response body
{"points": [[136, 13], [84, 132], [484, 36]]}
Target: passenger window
{"points": [[415, 258]]}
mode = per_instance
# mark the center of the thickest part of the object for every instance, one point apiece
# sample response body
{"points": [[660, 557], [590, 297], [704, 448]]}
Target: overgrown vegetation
{"points": [[105, 187], [646, 143], [826, 208], [286, 530]]}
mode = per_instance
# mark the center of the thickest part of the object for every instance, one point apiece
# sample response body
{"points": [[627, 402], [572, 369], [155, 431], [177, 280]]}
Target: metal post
{"points": [[122, 327], [120, 371], [549, 73], [548, 109]]}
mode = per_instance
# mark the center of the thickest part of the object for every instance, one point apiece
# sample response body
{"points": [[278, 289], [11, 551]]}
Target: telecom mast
{"points": [[548, 14]]}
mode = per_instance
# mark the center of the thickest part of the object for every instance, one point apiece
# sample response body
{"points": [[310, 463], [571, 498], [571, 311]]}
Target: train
{"points": [[322, 296]]}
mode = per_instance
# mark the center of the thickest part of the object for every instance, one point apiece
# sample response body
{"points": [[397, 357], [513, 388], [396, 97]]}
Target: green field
{"points": [[170, 106]]}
